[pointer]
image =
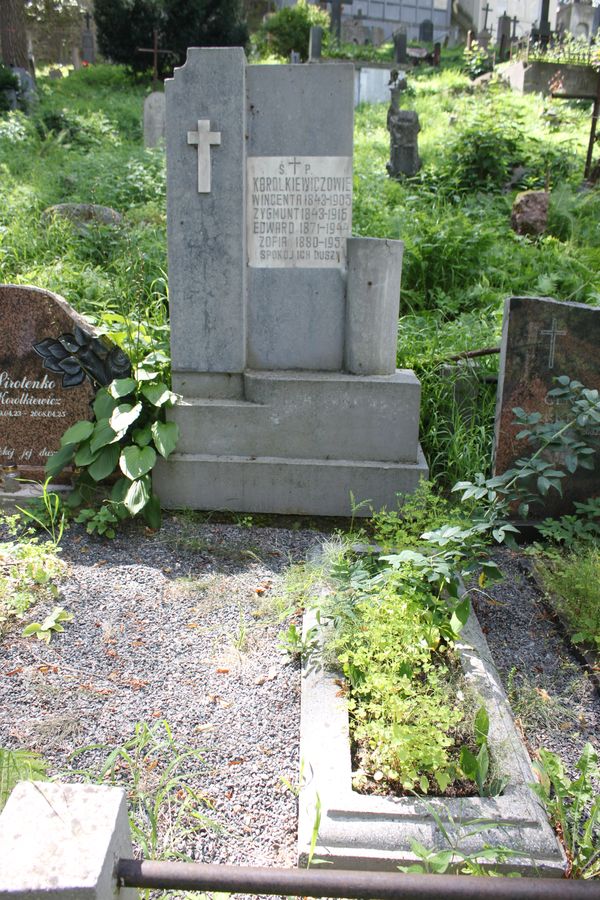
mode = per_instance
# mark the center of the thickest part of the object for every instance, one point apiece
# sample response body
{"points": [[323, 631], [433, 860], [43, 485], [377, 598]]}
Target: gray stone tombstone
{"points": [[154, 119], [542, 339], [27, 93], [283, 331], [315, 42], [400, 46], [426, 31], [403, 126], [483, 38], [88, 48], [504, 28]]}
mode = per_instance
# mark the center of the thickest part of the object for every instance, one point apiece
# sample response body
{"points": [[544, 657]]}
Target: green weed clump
{"points": [[30, 569], [573, 585], [400, 671]]}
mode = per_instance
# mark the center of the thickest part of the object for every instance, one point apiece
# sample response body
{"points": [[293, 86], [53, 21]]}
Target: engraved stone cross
{"points": [[553, 333], [204, 138]]}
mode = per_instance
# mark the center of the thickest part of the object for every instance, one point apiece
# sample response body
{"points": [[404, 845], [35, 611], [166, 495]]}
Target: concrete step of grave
{"points": [[318, 487], [307, 415]]}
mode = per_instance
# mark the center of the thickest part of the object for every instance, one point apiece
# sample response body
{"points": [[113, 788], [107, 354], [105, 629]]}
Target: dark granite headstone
{"points": [[400, 46], [541, 340], [426, 31], [50, 363]]}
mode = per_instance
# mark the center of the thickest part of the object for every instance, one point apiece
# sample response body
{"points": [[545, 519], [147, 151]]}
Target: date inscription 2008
{"points": [[299, 211]]}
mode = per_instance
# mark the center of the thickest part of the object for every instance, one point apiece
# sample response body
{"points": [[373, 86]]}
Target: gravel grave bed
{"points": [[173, 626], [178, 625]]}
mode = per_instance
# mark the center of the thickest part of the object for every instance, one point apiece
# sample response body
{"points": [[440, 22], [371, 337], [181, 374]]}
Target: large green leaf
{"points": [[105, 463], [136, 461], [158, 394], [119, 489], [166, 435], [103, 404], [142, 436], [460, 614], [57, 462], [78, 432], [152, 512], [121, 387], [137, 495], [124, 416], [103, 435], [84, 455]]}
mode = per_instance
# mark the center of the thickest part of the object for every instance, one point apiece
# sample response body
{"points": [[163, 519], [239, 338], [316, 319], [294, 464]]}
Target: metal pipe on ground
{"points": [[345, 883]]}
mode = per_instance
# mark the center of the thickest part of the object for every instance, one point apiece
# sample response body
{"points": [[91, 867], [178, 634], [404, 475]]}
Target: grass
{"points": [[30, 569], [573, 586]]}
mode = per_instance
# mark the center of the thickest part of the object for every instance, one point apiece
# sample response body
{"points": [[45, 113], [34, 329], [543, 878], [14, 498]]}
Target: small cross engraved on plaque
{"points": [[553, 332], [205, 139], [293, 162]]}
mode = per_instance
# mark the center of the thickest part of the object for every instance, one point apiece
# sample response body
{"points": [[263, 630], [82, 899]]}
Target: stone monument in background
{"points": [[543, 339], [283, 327], [404, 127]]}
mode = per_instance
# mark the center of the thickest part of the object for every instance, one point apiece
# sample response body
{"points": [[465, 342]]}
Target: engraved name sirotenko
{"points": [[299, 211]]}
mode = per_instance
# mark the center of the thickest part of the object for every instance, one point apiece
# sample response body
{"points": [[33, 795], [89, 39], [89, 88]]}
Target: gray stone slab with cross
{"points": [[283, 330]]}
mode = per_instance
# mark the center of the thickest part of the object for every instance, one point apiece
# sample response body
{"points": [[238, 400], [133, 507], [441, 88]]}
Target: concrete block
{"points": [[372, 305], [296, 315], [206, 231], [359, 831], [63, 841], [307, 415], [287, 486]]}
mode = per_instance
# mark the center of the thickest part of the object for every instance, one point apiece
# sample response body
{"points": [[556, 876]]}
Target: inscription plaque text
{"points": [[299, 211]]}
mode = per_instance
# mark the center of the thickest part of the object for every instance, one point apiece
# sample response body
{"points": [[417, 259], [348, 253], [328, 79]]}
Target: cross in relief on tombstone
{"points": [[204, 138], [553, 333]]}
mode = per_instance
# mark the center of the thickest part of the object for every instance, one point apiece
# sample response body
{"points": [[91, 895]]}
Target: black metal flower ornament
{"points": [[77, 355]]}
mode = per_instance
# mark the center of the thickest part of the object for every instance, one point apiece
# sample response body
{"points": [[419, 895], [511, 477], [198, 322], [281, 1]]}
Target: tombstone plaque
{"points": [[542, 339], [47, 356], [283, 331]]}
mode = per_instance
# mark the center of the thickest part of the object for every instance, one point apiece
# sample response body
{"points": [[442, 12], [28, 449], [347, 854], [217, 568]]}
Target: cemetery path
{"points": [[179, 626], [553, 699], [175, 626]]}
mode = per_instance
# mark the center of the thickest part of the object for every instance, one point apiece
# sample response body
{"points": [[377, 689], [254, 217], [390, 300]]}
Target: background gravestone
{"points": [[283, 328], [426, 31], [154, 119], [46, 349], [543, 339]]}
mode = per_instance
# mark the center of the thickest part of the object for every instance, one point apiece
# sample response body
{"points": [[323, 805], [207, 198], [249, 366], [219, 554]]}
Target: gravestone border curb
{"points": [[358, 831]]}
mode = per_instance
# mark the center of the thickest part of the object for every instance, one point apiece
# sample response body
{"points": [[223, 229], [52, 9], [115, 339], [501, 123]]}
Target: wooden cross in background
{"points": [[155, 51]]}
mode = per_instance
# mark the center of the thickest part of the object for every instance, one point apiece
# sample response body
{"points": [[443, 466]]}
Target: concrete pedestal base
{"points": [[313, 443]]}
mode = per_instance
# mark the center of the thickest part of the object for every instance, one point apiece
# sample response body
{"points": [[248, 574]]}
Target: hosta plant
{"points": [[117, 450]]}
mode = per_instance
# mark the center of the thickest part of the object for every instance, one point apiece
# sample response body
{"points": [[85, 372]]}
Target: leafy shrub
{"points": [[84, 131], [573, 582], [8, 82], [396, 661], [289, 29], [477, 60], [482, 154]]}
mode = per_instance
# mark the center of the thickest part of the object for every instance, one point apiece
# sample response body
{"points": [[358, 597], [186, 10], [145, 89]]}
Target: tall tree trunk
{"points": [[13, 41]]}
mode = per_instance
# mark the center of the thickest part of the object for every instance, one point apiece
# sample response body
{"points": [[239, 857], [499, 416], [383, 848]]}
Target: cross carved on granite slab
{"points": [[205, 139], [553, 333]]}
